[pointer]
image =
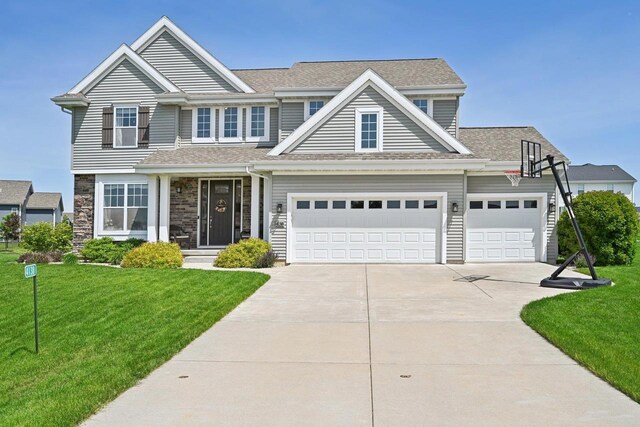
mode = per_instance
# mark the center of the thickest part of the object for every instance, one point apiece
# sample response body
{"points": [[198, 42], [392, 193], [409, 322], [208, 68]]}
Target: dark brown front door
{"points": [[216, 212]]}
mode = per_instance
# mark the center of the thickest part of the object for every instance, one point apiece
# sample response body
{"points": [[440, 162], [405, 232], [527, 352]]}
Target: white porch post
{"points": [[152, 209], [255, 206], [165, 188], [267, 211]]}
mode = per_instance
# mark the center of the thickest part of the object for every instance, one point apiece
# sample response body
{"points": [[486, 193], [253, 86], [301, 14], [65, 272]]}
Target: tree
{"points": [[10, 228]]}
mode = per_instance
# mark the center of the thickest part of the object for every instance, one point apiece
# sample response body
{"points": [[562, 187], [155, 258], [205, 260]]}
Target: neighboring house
{"points": [[589, 177], [44, 207], [13, 198], [337, 161]]}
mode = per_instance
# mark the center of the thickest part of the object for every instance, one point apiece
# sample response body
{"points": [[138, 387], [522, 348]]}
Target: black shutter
{"points": [[143, 127], [107, 127]]}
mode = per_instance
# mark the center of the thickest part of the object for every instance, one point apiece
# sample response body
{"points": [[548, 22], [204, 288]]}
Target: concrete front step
{"points": [[199, 259], [200, 252]]}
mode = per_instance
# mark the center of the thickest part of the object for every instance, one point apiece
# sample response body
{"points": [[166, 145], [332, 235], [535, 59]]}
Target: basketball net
{"points": [[514, 176]]}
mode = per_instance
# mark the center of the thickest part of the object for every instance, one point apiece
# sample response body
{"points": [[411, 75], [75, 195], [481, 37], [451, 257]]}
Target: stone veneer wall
{"points": [[246, 204], [84, 188]]}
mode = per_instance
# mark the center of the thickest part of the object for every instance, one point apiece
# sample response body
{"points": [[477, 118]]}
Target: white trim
{"points": [[194, 124], [307, 105], [543, 197], [102, 171], [255, 206], [450, 89], [369, 165], [267, 216], [378, 111], [217, 99], [113, 61], [370, 78], [220, 124], [303, 92], [267, 121], [164, 208], [166, 24], [402, 195], [115, 107], [106, 179], [152, 209]]}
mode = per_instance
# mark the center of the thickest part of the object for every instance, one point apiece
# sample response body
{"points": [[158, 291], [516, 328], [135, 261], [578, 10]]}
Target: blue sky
{"points": [[570, 68]]}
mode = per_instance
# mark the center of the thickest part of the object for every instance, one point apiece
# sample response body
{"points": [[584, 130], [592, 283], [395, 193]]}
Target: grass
{"points": [[101, 330], [599, 328]]}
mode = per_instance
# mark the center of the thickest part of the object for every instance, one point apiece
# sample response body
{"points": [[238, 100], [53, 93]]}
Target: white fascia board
{"points": [[450, 89], [191, 169], [368, 165], [115, 59], [306, 92], [369, 77], [216, 99], [166, 24], [68, 102], [101, 171]]}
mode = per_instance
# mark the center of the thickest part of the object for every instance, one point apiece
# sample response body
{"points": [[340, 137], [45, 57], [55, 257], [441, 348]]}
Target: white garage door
{"points": [[373, 228], [504, 228]]}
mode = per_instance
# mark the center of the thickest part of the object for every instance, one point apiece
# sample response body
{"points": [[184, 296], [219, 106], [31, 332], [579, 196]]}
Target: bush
{"points": [[267, 260], [43, 237], [154, 255], [244, 254], [105, 250], [609, 223], [40, 257], [70, 259]]}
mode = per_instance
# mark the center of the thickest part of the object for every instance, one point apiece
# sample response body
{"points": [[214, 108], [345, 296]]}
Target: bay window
{"points": [[124, 207]]}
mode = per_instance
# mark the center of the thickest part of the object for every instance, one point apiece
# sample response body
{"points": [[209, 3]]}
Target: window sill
{"points": [[222, 139]]}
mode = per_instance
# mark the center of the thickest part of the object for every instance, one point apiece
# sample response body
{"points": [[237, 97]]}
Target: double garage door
{"points": [[354, 228]]}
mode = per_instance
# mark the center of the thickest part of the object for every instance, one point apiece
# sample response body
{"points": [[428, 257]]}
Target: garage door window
{"points": [[375, 204], [530, 204], [512, 204], [339, 204], [393, 204], [303, 204], [321, 204], [475, 204], [411, 204], [357, 204], [494, 204], [430, 204]]}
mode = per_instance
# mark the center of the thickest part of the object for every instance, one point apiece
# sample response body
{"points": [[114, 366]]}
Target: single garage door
{"points": [[354, 228], [504, 228]]}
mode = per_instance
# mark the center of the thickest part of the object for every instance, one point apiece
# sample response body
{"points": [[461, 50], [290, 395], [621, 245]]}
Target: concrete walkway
{"points": [[370, 344]]}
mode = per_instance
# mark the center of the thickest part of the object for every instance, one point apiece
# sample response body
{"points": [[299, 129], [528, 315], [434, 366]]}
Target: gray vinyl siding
{"points": [[445, 113], [39, 215], [500, 184], [274, 116], [182, 67], [6, 210], [400, 133], [451, 184], [126, 84], [292, 117]]}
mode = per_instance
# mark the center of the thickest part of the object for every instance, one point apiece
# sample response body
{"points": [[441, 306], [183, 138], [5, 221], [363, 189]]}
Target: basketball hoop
{"points": [[514, 176]]}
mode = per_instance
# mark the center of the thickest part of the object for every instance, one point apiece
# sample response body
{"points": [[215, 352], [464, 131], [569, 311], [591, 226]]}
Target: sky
{"points": [[569, 68]]}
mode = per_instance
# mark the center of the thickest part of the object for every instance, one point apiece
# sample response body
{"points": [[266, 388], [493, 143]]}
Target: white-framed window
{"points": [[369, 128], [124, 208], [125, 126], [422, 104], [580, 188], [312, 106], [610, 187], [258, 123], [230, 124], [203, 122], [14, 210]]}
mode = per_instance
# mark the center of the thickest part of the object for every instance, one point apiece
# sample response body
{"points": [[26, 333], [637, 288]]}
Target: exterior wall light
{"points": [[178, 190], [454, 207], [279, 208]]}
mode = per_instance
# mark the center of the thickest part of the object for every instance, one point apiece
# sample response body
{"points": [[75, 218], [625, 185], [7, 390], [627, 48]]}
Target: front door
{"points": [[216, 212]]}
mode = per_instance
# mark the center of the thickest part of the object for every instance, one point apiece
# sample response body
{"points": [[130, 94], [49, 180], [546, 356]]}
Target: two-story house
{"points": [[18, 197], [336, 161], [590, 177]]}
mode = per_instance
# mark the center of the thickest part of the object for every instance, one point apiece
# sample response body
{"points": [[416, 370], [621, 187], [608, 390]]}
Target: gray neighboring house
{"points": [[13, 197], [44, 207], [590, 177], [330, 161]]}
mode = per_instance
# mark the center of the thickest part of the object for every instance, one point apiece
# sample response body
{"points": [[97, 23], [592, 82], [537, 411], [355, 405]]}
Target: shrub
{"points": [[10, 228], [43, 237], [609, 224], [581, 261], [70, 259], [267, 260], [154, 255], [244, 254], [40, 257], [105, 250]]}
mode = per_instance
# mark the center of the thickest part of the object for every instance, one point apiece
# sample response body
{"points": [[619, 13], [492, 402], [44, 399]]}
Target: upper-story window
{"points": [[422, 104], [125, 126], [230, 119], [203, 123], [610, 187], [311, 107], [258, 124], [368, 129]]}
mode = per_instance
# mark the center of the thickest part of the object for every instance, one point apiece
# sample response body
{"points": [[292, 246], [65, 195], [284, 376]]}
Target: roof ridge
{"points": [[369, 60], [260, 69], [497, 127]]}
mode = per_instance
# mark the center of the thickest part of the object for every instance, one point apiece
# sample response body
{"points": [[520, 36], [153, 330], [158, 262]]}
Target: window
{"points": [[411, 204], [303, 204], [375, 204], [204, 123], [422, 104], [610, 187], [313, 107], [357, 204], [530, 204], [229, 128], [321, 204], [125, 127], [512, 204], [393, 204], [580, 188], [122, 213], [369, 129], [430, 204], [494, 204], [258, 125], [339, 204], [14, 210], [475, 204]]}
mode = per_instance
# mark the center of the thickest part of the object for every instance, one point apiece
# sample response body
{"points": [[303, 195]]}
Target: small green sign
{"points": [[30, 271]]}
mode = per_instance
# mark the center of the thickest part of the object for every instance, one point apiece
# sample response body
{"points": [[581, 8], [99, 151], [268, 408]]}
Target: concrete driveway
{"points": [[394, 345]]}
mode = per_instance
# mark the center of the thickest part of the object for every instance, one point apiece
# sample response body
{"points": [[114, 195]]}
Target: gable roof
{"points": [[165, 24], [401, 73], [591, 172], [44, 200], [14, 192], [112, 61], [366, 79]]}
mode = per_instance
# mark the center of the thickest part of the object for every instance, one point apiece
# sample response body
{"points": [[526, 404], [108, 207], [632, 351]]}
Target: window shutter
{"points": [[143, 127], [107, 127]]}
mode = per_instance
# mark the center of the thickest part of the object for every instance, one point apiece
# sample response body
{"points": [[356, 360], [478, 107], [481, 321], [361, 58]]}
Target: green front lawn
{"points": [[101, 330], [599, 328]]}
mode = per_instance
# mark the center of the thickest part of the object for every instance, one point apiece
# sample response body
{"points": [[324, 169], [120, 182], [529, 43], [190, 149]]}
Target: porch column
{"points": [[165, 189], [267, 210], [152, 209], [255, 206]]}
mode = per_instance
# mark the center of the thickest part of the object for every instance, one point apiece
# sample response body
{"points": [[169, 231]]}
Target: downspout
{"points": [[254, 173], [65, 110]]}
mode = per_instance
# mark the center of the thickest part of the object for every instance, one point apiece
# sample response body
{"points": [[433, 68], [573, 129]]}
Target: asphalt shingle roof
{"points": [[43, 200], [13, 192], [338, 74], [591, 172]]}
